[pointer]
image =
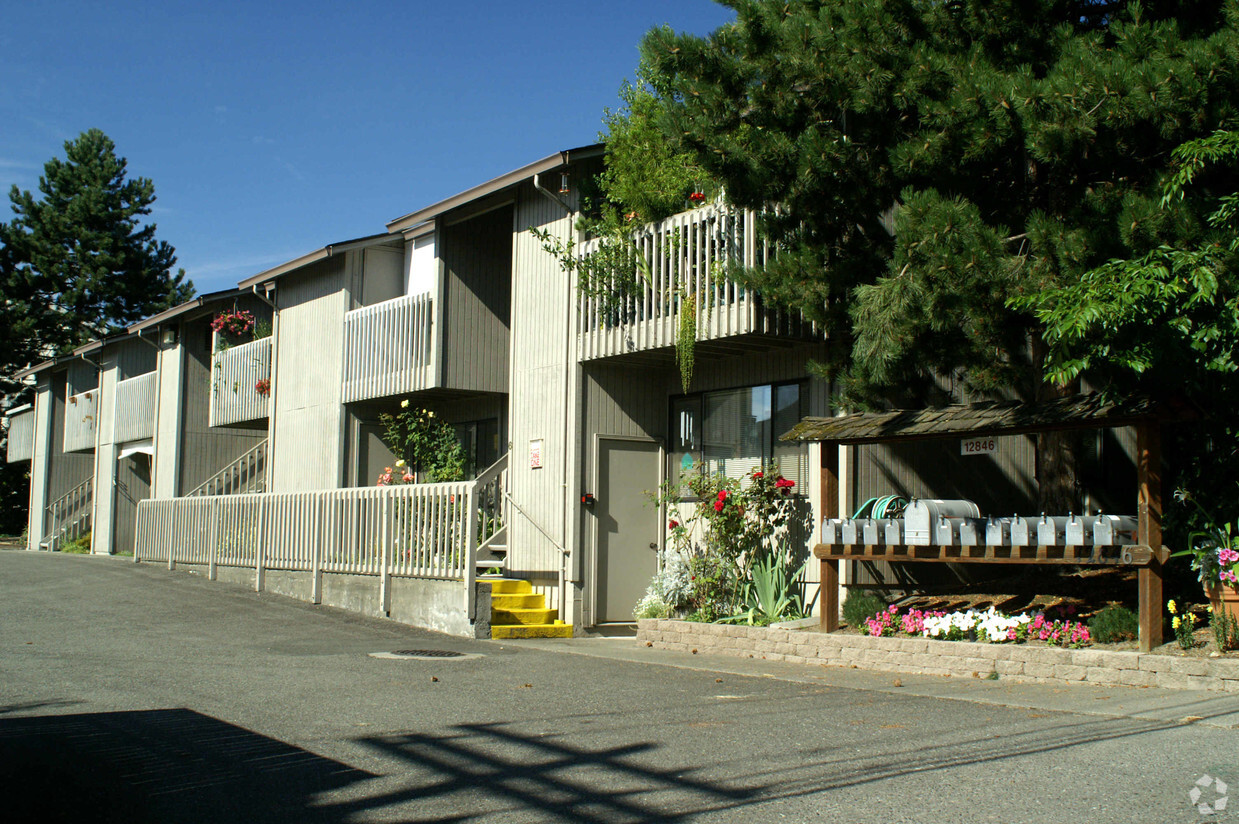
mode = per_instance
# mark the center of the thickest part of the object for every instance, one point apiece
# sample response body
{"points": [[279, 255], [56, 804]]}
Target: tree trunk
{"points": [[1057, 459]]}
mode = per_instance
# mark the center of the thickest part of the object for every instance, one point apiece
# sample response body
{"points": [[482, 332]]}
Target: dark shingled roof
{"points": [[992, 418]]}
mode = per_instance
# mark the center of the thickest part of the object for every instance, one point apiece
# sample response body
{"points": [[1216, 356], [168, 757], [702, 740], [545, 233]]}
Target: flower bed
{"points": [[920, 655], [991, 626]]}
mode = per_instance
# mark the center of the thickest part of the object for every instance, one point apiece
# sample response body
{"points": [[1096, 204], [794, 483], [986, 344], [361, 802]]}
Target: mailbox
{"points": [[1114, 530], [998, 531], [921, 518]]}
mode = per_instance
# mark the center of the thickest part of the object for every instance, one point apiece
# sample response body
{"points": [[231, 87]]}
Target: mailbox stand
{"points": [[1008, 418]]}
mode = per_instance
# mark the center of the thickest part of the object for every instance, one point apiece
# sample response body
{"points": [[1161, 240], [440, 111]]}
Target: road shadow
{"points": [[170, 765], [478, 770]]}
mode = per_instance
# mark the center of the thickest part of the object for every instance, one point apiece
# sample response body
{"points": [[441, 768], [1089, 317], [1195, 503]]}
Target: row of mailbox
{"points": [[959, 523]]}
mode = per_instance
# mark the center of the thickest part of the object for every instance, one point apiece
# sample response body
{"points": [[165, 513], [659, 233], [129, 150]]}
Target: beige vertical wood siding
{"points": [[306, 389], [206, 449], [541, 300], [477, 269]]}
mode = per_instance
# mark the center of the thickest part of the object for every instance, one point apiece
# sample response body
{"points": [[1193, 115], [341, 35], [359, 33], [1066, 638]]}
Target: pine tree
{"points": [[932, 161], [1020, 143], [76, 263], [79, 263]]}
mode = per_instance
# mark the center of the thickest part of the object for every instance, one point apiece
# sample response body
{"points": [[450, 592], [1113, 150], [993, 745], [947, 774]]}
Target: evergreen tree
{"points": [[1020, 143], [78, 262], [933, 161]]}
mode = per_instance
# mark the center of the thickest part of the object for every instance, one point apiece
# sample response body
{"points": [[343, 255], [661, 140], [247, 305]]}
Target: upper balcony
{"points": [[135, 408], [241, 377], [388, 348], [81, 421], [685, 256], [21, 435]]}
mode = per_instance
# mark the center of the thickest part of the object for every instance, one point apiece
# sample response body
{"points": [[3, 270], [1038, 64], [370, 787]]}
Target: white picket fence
{"points": [[416, 531]]}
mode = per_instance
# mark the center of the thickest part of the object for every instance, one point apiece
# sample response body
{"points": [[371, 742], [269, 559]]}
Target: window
{"points": [[480, 440], [735, 431]]}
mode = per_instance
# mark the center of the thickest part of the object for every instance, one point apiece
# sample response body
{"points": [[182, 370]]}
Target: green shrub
{"points": [[79, 547], [1113, 624], [859, 606]]}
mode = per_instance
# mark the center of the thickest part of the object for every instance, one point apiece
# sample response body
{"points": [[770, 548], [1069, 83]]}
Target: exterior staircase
{"points": [[247, 473], [516, 611]]}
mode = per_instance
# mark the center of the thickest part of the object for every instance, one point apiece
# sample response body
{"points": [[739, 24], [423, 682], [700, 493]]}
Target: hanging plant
{"points": [[686, 338]]}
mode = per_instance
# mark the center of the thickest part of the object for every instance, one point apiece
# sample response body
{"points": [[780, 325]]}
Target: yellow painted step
{"points": [[523, 616], [530, 601], [510, 586], [532, 631]]}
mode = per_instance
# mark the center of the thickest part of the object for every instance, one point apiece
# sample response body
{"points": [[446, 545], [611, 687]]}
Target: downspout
{"points": [[568, 415], [271, 416]]}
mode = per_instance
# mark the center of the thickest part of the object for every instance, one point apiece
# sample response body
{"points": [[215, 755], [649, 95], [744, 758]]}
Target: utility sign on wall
{"points": [[535, 454], [978, 446]]}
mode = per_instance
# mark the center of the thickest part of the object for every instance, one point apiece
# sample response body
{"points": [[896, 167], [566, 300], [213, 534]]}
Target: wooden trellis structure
{"points": [[1148, 554]]}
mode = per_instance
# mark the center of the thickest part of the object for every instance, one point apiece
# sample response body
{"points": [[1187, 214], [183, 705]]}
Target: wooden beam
{"points": [[1149, 531], [829, 599]]}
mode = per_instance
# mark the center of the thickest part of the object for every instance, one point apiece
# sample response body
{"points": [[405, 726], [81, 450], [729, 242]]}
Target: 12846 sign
{"points": [[978, 446]]}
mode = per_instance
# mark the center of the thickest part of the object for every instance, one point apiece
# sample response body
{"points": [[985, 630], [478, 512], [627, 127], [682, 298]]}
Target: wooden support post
{"points": [[829, 600], [1149, 526]]}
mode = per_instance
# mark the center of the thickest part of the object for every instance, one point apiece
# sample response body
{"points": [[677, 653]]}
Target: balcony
{"points": [[81, 421], [241, 377], [21, 436], [387, 348], [135, 408], [685, 256]]}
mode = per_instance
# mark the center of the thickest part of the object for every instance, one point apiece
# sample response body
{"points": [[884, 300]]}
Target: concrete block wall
{"points": [[923, 656]]}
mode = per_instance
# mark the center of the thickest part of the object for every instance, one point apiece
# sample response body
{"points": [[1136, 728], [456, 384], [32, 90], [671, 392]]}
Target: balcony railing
{"points": [[135, 408], [387, 348], [241, 378], [686, 257], [21, 436], [81, 421]]}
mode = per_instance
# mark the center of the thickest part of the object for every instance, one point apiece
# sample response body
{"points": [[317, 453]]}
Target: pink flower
{"points": [[407, 478]]}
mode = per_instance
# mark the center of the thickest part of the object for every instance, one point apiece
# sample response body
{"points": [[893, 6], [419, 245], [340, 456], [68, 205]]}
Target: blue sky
{"points": [[271, 129]]}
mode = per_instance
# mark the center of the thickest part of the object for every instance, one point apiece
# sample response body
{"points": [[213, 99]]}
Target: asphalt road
{"points": [[134, 694]]}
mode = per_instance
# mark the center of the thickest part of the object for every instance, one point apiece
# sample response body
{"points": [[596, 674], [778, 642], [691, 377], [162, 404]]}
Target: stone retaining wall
{"points": [[1016, 662]]}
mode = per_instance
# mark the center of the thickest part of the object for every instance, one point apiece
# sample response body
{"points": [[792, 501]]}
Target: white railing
{"points": [[70, 515], [241, 383], [387, 348], [21, 436], [135, 408], [414, 531], [247, 473], [686, 257], [80, 421]]}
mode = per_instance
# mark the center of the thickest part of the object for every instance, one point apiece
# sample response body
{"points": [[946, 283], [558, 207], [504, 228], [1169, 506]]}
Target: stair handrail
{"points": [[250, 456], [67, 511], [495, 471]]}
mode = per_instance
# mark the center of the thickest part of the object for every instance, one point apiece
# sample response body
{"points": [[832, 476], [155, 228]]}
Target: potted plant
{"points": [[1214, 551]]}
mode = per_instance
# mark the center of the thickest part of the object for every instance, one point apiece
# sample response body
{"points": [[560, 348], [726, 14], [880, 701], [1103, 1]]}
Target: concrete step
{"points": [[530, 601], [523, 616], [510, 586], [555, 630]]}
